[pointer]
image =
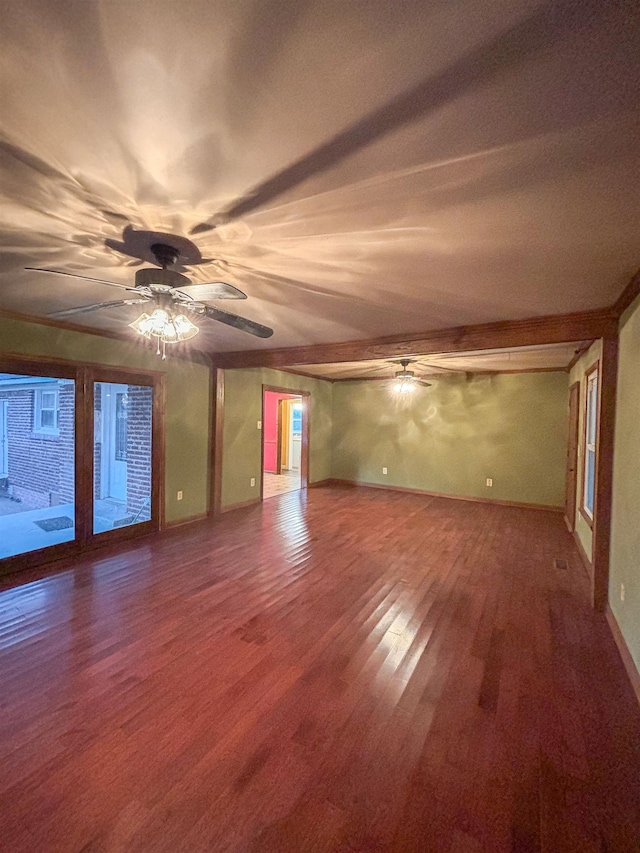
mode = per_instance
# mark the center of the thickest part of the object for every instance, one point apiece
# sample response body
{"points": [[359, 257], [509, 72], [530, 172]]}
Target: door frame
{"points": [[305, 397], [83, 374], [278, 440], [572, 478]]}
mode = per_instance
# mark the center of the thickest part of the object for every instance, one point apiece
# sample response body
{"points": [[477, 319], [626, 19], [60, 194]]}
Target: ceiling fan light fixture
{"points": [[167, 327], [405, 384], [151, 325], [185, 329]]}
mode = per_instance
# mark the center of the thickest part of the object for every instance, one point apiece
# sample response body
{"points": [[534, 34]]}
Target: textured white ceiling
{"points": [[373, 168], [547, 357]]}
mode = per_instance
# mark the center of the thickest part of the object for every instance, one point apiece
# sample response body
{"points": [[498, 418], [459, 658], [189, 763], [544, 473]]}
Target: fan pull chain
{"points": [[164, 350], [157, 346]]}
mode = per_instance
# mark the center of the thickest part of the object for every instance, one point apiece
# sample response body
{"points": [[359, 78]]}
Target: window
{"points": [[590, 438], [296, 419], [47, 412]]}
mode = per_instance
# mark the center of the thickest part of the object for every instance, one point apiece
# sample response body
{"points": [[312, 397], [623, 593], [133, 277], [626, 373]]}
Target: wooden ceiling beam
{"points": [[535, 331], [628, 295]]}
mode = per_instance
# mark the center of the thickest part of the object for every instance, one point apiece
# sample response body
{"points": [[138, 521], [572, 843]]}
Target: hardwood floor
{"points": [[335, 670]]}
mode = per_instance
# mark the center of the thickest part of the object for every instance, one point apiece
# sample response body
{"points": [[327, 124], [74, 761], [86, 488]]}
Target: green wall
{"points": [[242, 439], [578, 373], [625, 530], [454, 435], [187, 411]]}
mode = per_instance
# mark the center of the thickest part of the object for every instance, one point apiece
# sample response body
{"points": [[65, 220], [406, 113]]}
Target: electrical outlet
{"points": [[621, 592], [179, 495], [489, 482], [259, 424], [384, 470], [253, 481]]}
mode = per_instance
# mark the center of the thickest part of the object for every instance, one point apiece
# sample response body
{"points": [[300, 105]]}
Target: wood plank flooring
{"points": [[335, 670]]}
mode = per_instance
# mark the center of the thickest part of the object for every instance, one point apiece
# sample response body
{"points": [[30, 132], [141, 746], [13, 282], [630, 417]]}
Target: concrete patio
{"points": [[20, 534]]}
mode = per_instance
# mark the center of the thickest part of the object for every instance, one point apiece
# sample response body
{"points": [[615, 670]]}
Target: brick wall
{"points": [[97, 442], [139, 413], [40, 465], [66, 448]]}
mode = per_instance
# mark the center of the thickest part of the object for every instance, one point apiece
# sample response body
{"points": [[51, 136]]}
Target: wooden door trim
{"points": [[607, 384]]}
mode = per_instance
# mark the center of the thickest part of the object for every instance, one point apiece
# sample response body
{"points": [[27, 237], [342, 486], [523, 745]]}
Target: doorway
{"points": [[284, 441]]}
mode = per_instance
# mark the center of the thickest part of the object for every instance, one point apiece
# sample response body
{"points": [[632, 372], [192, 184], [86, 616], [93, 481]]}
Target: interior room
{"points": [[282, 417], [319, 434]]}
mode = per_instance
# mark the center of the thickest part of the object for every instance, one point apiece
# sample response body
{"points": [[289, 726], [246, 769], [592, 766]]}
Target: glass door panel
{"points": [[122, 455], [37, 462]]}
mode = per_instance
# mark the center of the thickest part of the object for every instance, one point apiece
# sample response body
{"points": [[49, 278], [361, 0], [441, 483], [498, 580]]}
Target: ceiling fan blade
{"points": [[423, 383], [237, 322], [86, 309], [212, 290], [83, 277]]}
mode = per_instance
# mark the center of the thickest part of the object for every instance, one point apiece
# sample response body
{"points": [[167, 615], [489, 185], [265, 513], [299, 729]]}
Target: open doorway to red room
{"points": [[285, 443]]}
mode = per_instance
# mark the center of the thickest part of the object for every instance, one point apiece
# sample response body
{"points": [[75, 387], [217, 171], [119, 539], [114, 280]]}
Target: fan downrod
{"points": [[164, 254]]}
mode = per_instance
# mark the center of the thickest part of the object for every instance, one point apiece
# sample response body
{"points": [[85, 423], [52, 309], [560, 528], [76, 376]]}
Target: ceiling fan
{"points": [[172, 298], [405, 380]]}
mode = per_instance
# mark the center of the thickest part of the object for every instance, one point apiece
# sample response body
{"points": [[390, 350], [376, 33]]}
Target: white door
{"points": [[296, 436], [114, 441], [4, 440]]}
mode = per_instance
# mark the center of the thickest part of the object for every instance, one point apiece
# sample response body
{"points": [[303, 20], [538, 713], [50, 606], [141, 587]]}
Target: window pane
{"points": [[37, 476], [593, 410], [48, 400], [122, 455], [590, 479]]}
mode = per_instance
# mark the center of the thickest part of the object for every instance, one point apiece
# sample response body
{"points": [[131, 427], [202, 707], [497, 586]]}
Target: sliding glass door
{"points": [[122, 455], [80, 458]]}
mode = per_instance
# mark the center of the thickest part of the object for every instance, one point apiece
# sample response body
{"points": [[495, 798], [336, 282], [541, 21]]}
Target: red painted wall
{"points": [[270, 427]]}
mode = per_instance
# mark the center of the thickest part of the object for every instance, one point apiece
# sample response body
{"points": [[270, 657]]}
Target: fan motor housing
{"points": [[160, 280]]}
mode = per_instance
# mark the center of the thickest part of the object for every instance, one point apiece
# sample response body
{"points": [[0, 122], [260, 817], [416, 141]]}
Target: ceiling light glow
{"points": [[405, 385], [166, 327]]}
